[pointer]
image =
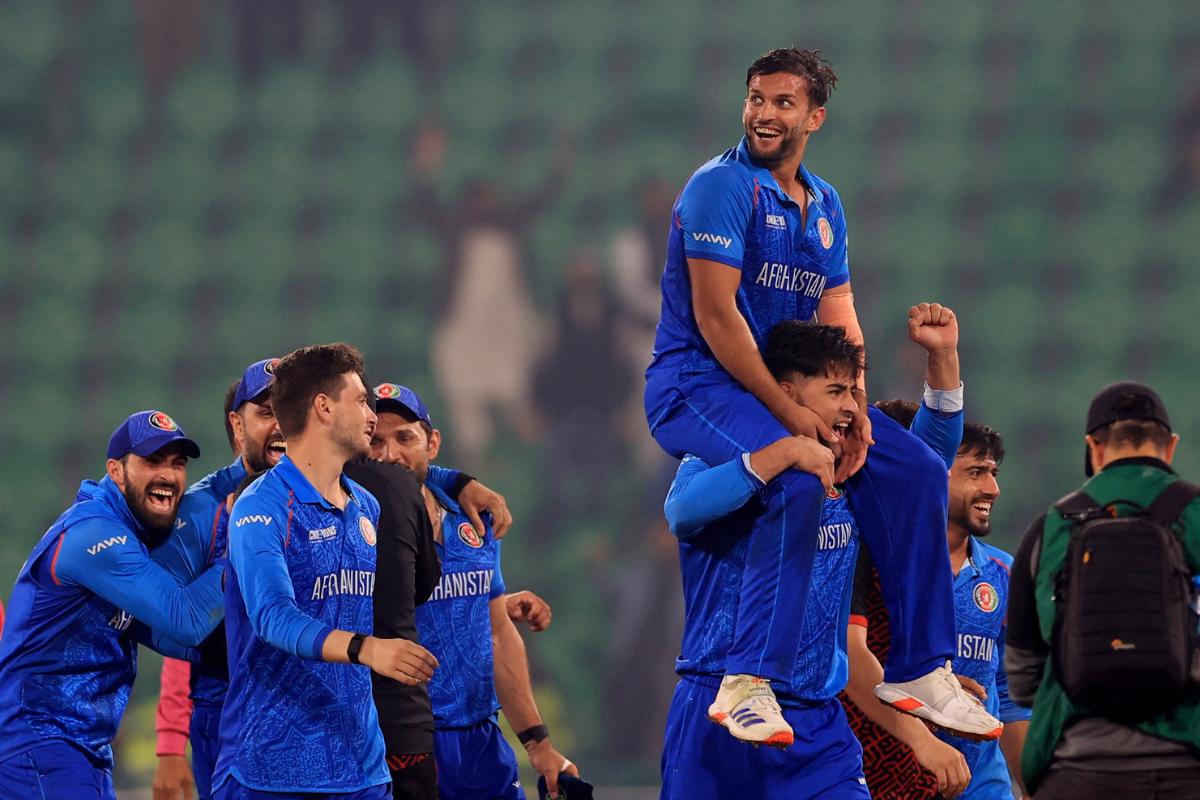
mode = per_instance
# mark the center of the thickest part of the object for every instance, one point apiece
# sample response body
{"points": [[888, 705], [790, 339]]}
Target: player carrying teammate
{"points": [[299, 716], [466, 624], [92, 589], [758, 239]]}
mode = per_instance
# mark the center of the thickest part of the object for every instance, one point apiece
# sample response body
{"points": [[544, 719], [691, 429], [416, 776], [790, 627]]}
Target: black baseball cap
{"points": [[1122, 401]]}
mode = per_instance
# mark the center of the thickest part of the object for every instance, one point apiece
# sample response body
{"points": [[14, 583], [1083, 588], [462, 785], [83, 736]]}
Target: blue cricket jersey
{"points": [[732, 211], [455, 622], [91, 590], [980, 605], [299, 569], [712, 555]]}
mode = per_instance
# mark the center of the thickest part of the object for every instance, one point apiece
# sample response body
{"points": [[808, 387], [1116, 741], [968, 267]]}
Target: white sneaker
{"points": [[939, 699], [747, 708]]}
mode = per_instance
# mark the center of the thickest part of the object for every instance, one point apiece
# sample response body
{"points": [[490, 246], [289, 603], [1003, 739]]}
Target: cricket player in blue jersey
{"points": [[757, 239], [91, 590], [711, 510], [467, 623], [981, 576], [299, 718]]}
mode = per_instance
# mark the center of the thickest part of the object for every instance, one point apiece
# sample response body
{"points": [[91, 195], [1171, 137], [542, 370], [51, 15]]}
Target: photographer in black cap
{"points": [[1100, 591]]}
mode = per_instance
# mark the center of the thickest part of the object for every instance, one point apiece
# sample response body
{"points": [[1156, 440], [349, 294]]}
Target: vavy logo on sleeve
{"points": [[712, 238], [107, 543], [251, 519]]}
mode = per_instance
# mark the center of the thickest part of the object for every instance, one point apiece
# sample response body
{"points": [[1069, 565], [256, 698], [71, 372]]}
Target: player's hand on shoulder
{"points": [[933, 326], [549, 763], [398, 659], [527, 607], [475, 498], [809, 455], [172, 779], [947, 764]]}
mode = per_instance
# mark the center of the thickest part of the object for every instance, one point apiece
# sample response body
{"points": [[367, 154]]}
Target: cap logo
{"points": [[986, 598], [826, 233], [387, 391], [161, 421], [367, 529], [469, 536], [270, 366]]}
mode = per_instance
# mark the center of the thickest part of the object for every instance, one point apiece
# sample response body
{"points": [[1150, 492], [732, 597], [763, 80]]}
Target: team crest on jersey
{"points": [[469, 536], [835, 493], [161, 421], [386, 391], [367, 529], [826, 233], [986, 598]]}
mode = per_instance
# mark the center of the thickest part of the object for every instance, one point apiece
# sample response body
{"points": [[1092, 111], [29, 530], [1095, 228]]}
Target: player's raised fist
{"points": [[933, 326]]}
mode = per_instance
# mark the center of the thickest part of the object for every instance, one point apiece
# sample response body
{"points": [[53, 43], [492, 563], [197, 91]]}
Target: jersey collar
{"points": [[444, 498], [764, 177], [305, 492]]}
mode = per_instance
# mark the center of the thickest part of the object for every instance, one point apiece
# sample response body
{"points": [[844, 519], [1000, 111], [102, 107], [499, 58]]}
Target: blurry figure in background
{"points": [[637, 254], [580, 387], [467, 623], [169, 37]]}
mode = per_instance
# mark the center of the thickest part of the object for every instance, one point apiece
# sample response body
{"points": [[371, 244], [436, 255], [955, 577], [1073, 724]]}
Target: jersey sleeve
{"points": [[941, 431], [864, 577], [113, 564], [839, 256], [186, 552], [701, 494], [450, 481], [256, 549], [713, 213], [497, 576], [174, 713]]}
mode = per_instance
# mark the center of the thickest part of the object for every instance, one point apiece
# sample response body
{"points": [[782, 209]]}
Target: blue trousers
{"points": [[54, 771], [901, 513], [476, 763], [205, 737], [701, 761]]}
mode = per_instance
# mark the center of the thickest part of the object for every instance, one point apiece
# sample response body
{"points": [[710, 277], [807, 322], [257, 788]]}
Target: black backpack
{"points": [[1124, 631]]}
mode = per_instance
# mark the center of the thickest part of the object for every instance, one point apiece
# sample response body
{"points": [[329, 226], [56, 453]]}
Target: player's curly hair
{"points": [[305, 373], [811, 350], [808, 64]]}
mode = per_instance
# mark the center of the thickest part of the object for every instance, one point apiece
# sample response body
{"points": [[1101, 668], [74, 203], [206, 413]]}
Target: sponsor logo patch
{"points": [[367, 529], [985, 597], [469, 536], [776, 221], [826, 233], [107, 543], [322, 534], [161, 421], [253, 518], [712, 238]]}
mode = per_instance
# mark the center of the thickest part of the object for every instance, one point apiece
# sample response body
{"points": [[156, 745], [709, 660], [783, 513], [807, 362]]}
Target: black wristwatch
{"points": [[352, 649], [535, 734]]}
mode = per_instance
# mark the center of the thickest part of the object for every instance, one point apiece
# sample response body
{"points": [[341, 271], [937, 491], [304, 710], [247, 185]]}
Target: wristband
{"points": [[535, 734], [459, 484], [352, 649]]}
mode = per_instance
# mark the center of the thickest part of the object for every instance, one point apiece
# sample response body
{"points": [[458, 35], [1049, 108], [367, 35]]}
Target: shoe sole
{"points": [[781, 740], [915, 708]]}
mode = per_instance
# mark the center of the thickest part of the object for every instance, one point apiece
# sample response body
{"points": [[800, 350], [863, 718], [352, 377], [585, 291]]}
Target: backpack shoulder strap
{"points": [[1078, 506], [1171, 502]]}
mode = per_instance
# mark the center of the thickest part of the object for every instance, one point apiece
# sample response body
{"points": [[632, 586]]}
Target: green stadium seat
{"points": [[112, 108], [90, 182], [276, 180], [255, 260], [365, 176], [291, 104], [352, 255], [167, 258], [204, 103], [183, 178], [71, 260], [53, 335], [18, 170], [383, 100]]}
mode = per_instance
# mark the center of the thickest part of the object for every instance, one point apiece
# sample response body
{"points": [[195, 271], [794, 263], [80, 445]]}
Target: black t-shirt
{"points": [[406, 572]]}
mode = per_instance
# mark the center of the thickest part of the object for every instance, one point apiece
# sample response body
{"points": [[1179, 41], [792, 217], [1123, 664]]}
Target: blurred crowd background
{"points": [[477, 194]]}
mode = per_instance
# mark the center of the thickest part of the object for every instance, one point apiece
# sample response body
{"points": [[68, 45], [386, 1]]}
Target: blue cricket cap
{"points": [[255, 380], [394, 394], [147, 432]]}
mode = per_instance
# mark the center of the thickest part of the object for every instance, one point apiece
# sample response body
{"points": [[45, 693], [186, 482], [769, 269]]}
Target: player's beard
{"points": [[785, 148], [258, 454], [349, 437], [964, 518], [156, 524]]}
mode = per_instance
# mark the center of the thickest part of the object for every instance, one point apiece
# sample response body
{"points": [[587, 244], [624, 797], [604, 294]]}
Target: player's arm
{"points": [[947, 764], [172, 776], [525, 606], [256, 549], [515, 691], [474, 498], [939, 419], [1025, 651], [114, 565], [187, 552], [700, 495]]}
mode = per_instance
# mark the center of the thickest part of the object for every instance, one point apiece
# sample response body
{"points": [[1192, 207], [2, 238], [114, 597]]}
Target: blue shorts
{"points": [[55, 771], [701, 760], [232, 790], [476, 763], [206, 741]]}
